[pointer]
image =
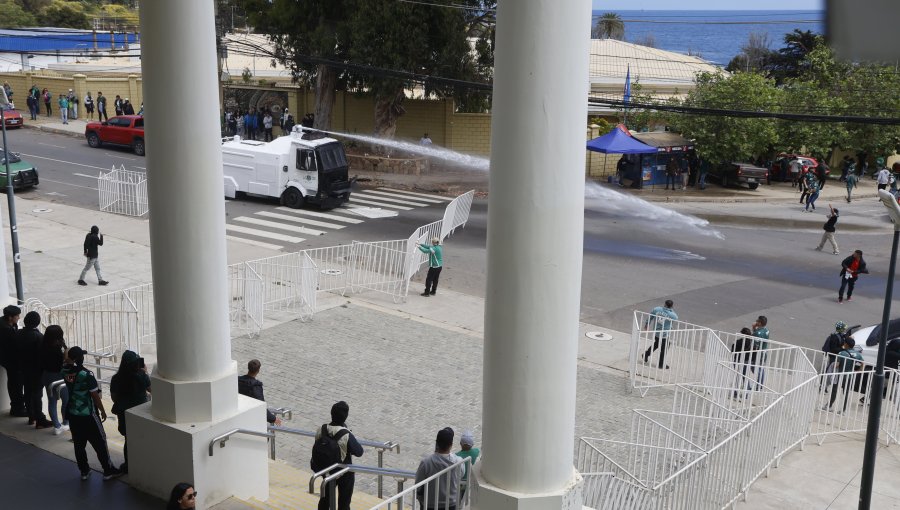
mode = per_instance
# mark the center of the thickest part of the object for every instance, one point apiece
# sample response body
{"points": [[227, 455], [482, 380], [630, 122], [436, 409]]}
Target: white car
{"points": [[867, 337]]}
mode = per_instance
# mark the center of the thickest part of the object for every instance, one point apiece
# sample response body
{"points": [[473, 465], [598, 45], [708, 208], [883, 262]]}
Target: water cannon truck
{"points": [[304, 167]]}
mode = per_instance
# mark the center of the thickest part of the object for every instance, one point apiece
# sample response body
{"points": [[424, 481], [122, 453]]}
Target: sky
{"points": [[712, 5]]}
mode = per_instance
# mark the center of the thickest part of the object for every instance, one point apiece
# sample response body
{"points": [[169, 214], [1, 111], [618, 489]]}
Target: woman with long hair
{"points": [[52, 354], [128, 388], [183, 497]]}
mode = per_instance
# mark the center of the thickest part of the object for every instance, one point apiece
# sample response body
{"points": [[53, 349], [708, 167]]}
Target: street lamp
{"points": [[877, 391], [10, 196]]}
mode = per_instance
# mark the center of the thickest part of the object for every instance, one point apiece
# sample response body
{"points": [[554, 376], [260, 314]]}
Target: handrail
{"points": [[286, 412], [223, 438], [380, 447], [462, 502], [397, 474]]}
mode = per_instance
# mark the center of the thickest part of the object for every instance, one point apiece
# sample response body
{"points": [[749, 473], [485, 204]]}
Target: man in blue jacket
{"points": [[662, 316], [435, 264]]}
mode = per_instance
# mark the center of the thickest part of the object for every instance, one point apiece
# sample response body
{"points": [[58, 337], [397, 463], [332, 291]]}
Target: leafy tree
{"points": [[755, 54], [721, 139], [15, 16], [609, 25], [64, 14], [33, 6], [791, 60]]}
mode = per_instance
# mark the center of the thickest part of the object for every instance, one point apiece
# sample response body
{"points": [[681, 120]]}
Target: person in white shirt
{"points": [[425, 140], [443, 492], [884, 177]]}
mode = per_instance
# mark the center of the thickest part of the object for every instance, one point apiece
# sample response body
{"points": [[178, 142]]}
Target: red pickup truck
{"points": [[124, 130]]}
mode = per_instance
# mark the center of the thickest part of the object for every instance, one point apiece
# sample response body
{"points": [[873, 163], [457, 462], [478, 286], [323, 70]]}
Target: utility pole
{"points": [[11, 200]]}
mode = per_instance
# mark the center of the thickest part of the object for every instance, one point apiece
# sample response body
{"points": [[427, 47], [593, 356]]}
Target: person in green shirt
{"points": [[84, 405], [435, 264], [468, 450], [64, 108]]}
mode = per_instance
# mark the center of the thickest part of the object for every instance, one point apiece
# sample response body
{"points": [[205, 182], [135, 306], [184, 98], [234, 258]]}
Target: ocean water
{"points": [[716, 36]]}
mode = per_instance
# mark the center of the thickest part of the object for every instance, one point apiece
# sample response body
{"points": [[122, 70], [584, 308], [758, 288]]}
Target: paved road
{"points": [[764, 265]]}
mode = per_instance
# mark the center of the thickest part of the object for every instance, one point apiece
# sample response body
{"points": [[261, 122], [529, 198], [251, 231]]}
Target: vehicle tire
{"points": [[724, 181], [292, 198], [138, 146], [753, 185], [93, 140]]}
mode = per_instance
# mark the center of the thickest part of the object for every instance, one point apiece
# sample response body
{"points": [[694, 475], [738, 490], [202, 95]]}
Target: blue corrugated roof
{"points": [[53, 39]]}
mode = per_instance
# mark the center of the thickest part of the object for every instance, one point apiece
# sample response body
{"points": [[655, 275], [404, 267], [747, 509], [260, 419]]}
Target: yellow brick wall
{"points": [[470, 133]]}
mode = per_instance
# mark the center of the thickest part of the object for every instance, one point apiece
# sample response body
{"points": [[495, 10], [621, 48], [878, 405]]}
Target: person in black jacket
{"points": [[9, 359], [130, 387], [52, 355], [92, 243], [851, 268], [828, 235], [349, 447], [250, 386], [28, 346]]}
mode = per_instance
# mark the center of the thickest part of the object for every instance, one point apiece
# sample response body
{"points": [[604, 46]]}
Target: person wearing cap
{"points": [[127, 107], [833, 344], [435, 263], [28, 347], [350, 448], [443, 492], [467, 450], [82, 412], [829, 228], [92, 243], [9, 360], [845, 364]]}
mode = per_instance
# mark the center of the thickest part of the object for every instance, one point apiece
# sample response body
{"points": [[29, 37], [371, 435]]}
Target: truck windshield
{"points": [[332, 157]]}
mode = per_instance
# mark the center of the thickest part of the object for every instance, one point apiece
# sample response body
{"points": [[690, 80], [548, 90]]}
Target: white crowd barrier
{"points": [[123, 192], [739, 405]]}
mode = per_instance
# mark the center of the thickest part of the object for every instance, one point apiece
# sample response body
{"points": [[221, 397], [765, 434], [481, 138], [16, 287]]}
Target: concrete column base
{"points": [[488, 497], [194, 401], [162, 454]]}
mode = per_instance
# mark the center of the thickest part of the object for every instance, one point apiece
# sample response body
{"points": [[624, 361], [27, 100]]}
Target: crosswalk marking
{"points": [[295, 219], [436, 197], [282, 226], [378, 204], [391, 200], [263, 233], [327, 216], [427, 200], [254, 243]]}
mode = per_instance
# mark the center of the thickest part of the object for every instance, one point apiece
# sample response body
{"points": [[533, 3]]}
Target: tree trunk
{"points": [[388, 108], [326, 79]]}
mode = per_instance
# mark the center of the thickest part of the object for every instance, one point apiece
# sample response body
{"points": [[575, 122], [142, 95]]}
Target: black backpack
{"points": [[325, 451]]}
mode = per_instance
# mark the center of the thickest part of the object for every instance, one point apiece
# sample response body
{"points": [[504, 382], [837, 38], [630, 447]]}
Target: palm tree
{"points": [[608, 26]]}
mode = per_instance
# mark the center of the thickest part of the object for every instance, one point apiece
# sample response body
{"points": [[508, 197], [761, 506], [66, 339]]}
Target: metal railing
{"points": [[740, 403], [380, 447], [442, 490], [222, 439], [338, 470], [123, 192]]}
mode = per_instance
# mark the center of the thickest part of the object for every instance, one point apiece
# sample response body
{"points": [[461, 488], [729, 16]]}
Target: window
{"points": [[332, 156], [306, 160], [138, 123]]}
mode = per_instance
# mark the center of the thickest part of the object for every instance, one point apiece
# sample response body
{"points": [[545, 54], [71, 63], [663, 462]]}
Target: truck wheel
{"points": [[292, 198], [753, 185], [93, 140], [138, 147]]}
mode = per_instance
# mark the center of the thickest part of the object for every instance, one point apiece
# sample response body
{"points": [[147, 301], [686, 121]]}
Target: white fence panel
{"points": [[123, 192]]}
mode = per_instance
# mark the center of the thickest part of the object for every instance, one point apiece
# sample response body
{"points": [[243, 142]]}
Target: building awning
{"points": [[665, 141]]}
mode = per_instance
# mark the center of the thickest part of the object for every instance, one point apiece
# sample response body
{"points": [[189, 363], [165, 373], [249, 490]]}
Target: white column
{"points": [[5, 299], [194, 383], [535, 240]]}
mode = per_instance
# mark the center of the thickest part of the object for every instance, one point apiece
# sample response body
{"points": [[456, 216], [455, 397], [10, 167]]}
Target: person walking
{"points": [[89, 106], [760, 331], [28, 347], [348, 447], [250, 386], [662, 317], [92, 243], [851, 183], [829, 228], [883, 176], [53, 353], [47, 99], [812, 187], [9, 359], [83, 409], [851, 268], [435, 264], [63, 108], [130, 387], [101, 107]]}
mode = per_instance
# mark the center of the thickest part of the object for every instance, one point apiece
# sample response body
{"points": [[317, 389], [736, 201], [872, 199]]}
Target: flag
{"points": [[627, 95]]}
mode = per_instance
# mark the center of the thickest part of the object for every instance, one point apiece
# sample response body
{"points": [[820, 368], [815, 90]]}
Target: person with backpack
{"points": [[130, 387], [86, 413], [335, 444], [845, 362]]}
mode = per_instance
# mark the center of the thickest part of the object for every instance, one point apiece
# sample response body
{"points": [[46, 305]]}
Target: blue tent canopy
{"points": [[618, 142]]}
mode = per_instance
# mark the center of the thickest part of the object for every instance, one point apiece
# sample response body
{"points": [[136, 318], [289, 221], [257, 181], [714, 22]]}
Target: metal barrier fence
{"points": [[444, 489], [123, 192], [381, 267], [740, 404], [246, 303]]}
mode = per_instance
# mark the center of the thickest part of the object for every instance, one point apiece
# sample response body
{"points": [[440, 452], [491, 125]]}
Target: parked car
{"points": [[23, 173], [729, 174], [867, 337], [124, 131], [781, 166], [12, 118]]}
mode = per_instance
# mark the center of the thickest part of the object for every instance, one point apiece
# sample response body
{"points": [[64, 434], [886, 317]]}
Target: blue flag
{"points": [[627, 86]]}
